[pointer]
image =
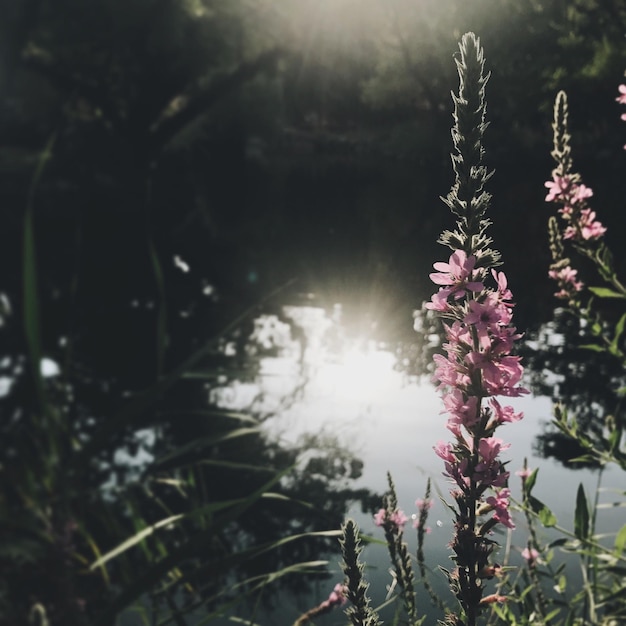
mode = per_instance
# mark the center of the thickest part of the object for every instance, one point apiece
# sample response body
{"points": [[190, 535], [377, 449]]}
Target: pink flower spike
{"points": [[622, 94]]}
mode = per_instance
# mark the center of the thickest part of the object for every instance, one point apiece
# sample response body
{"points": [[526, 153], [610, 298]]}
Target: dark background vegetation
{"points": [[270, 144]]}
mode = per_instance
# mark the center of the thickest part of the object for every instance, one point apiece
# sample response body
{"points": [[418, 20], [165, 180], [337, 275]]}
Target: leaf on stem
{"points": [[581, 516], [605, 292], [545, 515]]}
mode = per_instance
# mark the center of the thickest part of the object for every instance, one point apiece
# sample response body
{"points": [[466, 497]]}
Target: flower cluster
{"points": [[423, 507], [478, 364], [572, 198], [395, 519], [337, 597]]}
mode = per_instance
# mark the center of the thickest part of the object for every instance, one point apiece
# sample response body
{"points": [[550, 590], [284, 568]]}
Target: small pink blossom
{"points": [[589, 226], [500, 505], [463, 411], [396, 518], [504, 414], [580, 192], [524, 473], [337, 597], [490, 447], [399, 518], [530, 555], [457, 273], [622, 94], [443, 450], [439, 300], [501, 280], [424, 505], [558, 188], [566, 277], [379, 518]]}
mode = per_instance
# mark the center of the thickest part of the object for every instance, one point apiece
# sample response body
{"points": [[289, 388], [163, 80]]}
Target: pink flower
{"points": [[443, 450], [558, 188], [500, 505], [482, 315], [439, 300], [464, 411], [524, 473], [530, 555], [504, 414], [457, 273], [489, 448], [399, 518], [587, 227], [500, 375], [379, 518], [590, 228], [501, 280], [396, 518], [580, 192], [337, 597], [424, 505], [622, 94], [566, 277]]}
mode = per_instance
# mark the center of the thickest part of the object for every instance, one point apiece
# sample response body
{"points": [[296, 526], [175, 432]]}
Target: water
{"points": [[391, 421]]}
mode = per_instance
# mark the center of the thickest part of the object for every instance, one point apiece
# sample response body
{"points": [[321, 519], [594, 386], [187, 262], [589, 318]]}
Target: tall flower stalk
{"points": [[476, 303]]}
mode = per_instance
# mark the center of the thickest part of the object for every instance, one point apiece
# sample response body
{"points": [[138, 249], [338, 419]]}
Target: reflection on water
{"points": [[375, 399], [585, 382]]}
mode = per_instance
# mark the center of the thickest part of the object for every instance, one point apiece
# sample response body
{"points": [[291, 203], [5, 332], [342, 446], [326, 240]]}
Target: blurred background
{"points": [[212, 209]]}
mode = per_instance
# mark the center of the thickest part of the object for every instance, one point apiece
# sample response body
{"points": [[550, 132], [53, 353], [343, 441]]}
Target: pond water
{"points": [[391, 420]]}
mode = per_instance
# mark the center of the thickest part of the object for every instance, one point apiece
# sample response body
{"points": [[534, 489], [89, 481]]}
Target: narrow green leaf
{"points": [[203, 442], [529, 483], [605, 292], [148, 577], [30, 297], [546, 516], [620, 540], [561, 541], [161, 326], [619, 330], [581, 515], [593, 347], [134, 540]]}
